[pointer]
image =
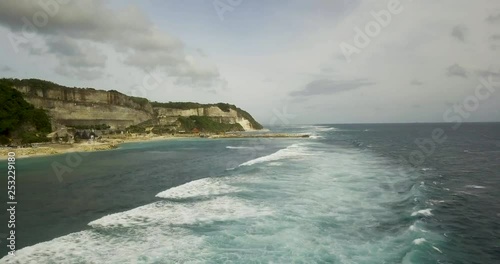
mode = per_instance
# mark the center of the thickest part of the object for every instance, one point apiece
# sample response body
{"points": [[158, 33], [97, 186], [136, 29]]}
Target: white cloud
{"points": [[128, 31]]}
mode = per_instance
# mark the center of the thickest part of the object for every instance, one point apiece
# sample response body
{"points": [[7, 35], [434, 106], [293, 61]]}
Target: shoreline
{"points": [[266, 135], [50, 149]]}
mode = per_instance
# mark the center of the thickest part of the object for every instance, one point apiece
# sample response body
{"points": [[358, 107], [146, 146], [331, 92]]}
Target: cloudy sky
{"points": [[318, 61]]}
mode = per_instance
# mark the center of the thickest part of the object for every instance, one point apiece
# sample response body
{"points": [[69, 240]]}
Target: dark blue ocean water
{"points": [[370, 193]]}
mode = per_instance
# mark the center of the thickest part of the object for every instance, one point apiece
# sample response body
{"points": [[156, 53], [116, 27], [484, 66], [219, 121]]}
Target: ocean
{"points": [[370, 193]]}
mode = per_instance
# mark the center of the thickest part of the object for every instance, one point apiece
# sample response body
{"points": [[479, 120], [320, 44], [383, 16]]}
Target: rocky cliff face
{"points": [[76, 106], [168, 116], [87, 106]]}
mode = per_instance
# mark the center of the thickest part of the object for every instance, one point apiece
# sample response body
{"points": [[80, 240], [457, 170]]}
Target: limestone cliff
{"points": [[86, 106], [168, 115]]}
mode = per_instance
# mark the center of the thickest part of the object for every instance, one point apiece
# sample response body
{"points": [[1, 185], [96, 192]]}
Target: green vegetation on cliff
{"points": [[178, 105], [19, 120], [140, 101], [223, 106], [207, 125], [33, 83]]}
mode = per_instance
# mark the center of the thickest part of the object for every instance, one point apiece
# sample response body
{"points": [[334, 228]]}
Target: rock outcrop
{"points": [[168, 116], [76, 106]]}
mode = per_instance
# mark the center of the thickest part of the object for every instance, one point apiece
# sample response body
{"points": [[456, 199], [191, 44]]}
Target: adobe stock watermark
{"points": [[223, 6], [372, 29], [282, 116], [279, 118], [151, 81], [456, 114], [39, 19], [71, 162]]}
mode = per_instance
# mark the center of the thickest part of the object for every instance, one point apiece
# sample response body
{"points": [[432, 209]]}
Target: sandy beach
{"points": [[108, 143], [46, 149]]}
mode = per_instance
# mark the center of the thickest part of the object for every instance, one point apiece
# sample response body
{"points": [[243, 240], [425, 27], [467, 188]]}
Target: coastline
{"points": [[266, 135], [49, 149]]}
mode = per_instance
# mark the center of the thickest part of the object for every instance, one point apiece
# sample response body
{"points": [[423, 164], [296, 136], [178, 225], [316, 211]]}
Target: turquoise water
{"points": [[341, 196]]}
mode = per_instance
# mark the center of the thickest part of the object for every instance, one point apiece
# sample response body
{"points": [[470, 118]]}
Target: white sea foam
{"points": [[437, 249], [433, 202], [155, 233], [325, 129], [415, 228], [475, 186], [238, 147], [172, 213], [316, 137], [147, 245], [320, 128], [293, 151], [419, 241], [424, 212], [202, 187]]}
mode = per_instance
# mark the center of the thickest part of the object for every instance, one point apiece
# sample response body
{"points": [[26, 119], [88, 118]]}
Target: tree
{"points": [[15, 112]]}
